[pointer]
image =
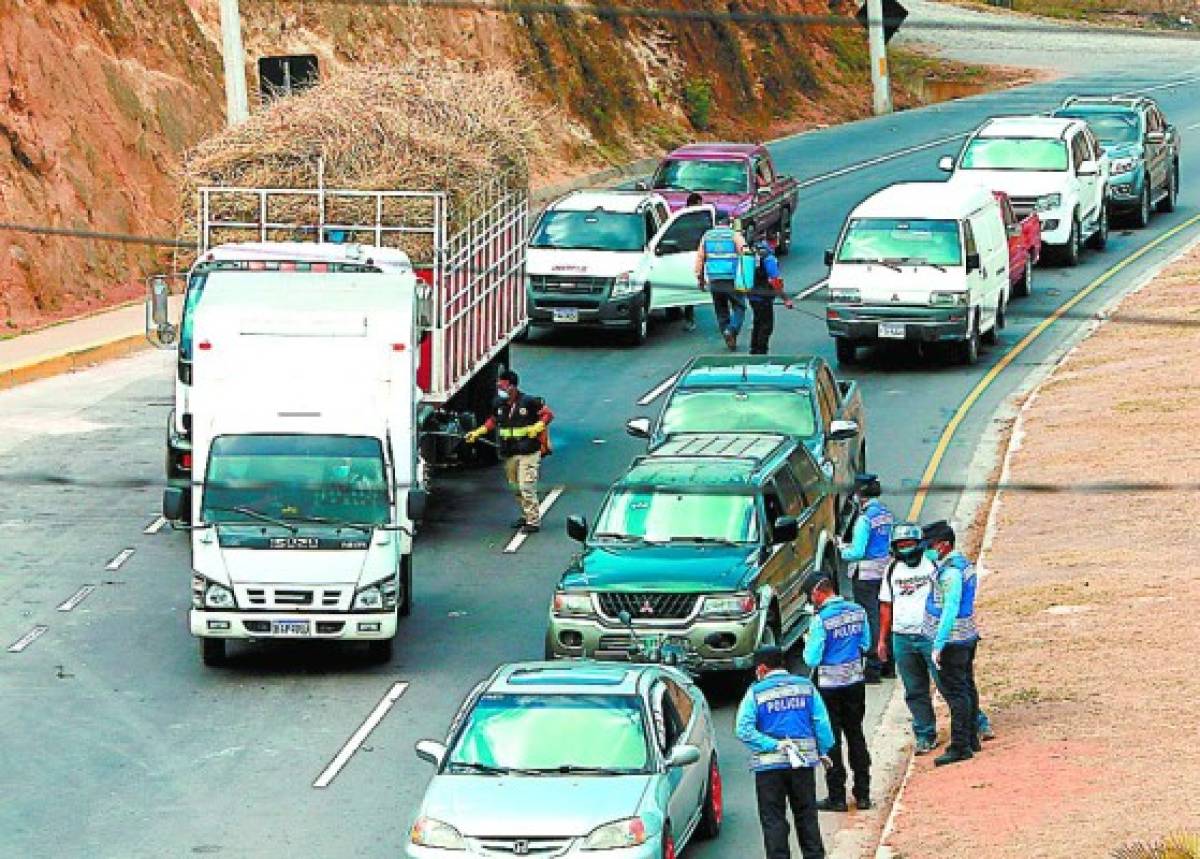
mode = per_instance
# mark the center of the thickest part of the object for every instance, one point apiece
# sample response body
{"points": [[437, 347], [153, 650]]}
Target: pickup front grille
{"points": [[569, 285], [647, 606], [1023, 206]]}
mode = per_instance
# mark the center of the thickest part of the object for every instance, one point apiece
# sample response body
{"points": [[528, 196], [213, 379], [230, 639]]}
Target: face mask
{"points": [[503, 394]]}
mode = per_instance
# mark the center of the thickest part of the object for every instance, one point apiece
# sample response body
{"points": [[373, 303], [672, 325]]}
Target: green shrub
{"points": [[697, 103]]}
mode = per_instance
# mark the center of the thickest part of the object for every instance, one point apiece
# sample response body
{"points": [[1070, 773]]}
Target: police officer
{"points": [[838, 638], [768, 285], [950, 623], [717, 261], [868, 551], [521, 421], [784, 723]]}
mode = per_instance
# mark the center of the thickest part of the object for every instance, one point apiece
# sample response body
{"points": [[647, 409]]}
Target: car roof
{"points": [[715, 150], [609, 678], [771, 371], [609, 201], [708, 460], [925, 201], [388, 259], [1104, 103], [1046, 127]]}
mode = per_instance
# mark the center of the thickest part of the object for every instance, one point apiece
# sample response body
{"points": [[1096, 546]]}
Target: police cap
{"points": [[813, 580], [867, 485]]}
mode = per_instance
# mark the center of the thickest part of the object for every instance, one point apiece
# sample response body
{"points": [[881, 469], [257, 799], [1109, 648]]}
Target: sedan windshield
{"points": [[596, 230], [1111, 127], [295, 479], [552, 733], [1015, 153], [899, 240], [787, 412], [667, 515], [717, 177]]}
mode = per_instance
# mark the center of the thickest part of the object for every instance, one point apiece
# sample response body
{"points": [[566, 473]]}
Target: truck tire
{"points": [[406, 580], [847, 350], [212, 651], [1025, 285], [1099, 239], [785, 233], [639, 323], [380, 652], [967, 351], [1070, 251], [993, 335], [1167, 203], [1141, 215]]}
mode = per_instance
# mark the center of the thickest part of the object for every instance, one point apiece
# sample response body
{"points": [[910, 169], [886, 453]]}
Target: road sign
{"points": [[893, 16]]}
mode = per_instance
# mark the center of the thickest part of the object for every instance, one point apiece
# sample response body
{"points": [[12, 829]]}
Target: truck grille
{"points": [[569, 285], [1023, 206], [543, 847], [643, 606], [268, 597]]}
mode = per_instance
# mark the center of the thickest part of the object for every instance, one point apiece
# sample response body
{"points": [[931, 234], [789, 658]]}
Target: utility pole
{"points": [[237, 107], [881, 79]]}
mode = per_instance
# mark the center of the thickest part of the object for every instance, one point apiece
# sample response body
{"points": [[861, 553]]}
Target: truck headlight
{"points": [[624, 284], [378, 596], [845, 295], [573, 604], [620, 833], [428, 832], [948, 299], [206, 594], [1046, 202], [1122, 165], [729, 605]]}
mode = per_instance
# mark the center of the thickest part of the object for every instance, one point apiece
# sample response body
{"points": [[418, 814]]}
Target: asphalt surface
{"points": [[116, 742]]}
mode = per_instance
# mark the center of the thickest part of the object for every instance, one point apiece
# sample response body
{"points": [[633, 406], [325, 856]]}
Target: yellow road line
{"points": [[939, 452]]}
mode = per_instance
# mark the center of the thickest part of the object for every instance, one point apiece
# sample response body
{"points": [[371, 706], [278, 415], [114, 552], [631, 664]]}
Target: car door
{"points": [[976, 281], [1155, 147], [828, 404], [1013, 238], [696, 732], [684, 785], [794, 559], [992, 241], [670, 262], [1088, 185]]}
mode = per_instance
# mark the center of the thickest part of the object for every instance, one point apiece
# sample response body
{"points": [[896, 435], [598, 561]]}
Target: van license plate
{"points": [[566, 314], [891, 330], [291, 627]]}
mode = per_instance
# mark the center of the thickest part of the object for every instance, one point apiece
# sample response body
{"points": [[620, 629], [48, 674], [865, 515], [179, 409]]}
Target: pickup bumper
{"points": [[583, 311], [364, 626], [1125, 191], [863, 323]]}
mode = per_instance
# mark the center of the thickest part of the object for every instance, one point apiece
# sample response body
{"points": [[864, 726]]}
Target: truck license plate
{"points": [[891, 330], [290, 627], [566, 314]]}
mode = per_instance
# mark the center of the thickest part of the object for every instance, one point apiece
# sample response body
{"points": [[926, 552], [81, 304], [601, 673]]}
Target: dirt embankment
{"points": [[1087, 667], [101, 97], [1183, 15]]}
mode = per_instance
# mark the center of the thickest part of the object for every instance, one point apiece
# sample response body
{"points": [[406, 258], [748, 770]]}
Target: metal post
{"points": [[237, 107], [880, 78]]}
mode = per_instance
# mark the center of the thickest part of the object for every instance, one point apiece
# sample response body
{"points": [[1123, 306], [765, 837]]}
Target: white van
{"points": [[923, 261]]}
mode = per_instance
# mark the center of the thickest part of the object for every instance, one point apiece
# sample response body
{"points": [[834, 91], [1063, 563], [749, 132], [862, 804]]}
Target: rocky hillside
{"points": [[101, 97]]}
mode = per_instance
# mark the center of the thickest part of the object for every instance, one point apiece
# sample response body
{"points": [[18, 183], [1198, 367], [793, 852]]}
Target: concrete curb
{"points": [[77, 358]]}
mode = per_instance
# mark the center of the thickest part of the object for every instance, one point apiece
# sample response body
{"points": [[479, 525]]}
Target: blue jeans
{"points": [[729, 306], [914, 664]]}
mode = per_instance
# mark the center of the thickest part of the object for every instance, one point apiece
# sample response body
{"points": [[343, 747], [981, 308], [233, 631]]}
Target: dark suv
{"points": [[1143, 150], [704, 541]]}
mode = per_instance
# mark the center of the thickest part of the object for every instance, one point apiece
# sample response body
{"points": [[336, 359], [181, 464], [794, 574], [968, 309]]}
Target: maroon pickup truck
{"points": [[1024, 246], [738, 178]]}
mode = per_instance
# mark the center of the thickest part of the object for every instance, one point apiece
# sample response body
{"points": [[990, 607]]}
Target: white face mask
{"points": [[503, 394]]}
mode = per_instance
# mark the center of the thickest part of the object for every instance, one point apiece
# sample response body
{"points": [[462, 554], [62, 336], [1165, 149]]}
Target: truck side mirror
{"points": [[946, 163], [175, 503], [973, 263], [843, 430], [431, 751], [638, 427], [415, 503], [786, 530], [159, 330], [1155, 137], [828, 256], [1088, 168], [577, 528]]}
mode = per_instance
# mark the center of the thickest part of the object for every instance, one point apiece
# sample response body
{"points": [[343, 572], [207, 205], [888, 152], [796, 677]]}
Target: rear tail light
{"points": [[185, 461]]}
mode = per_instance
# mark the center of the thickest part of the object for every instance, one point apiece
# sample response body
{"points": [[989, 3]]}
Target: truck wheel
{"points": [[639, 323], [1141, 216], [406, 580], [1099, 239], [968, 350], [1167, 203], [1025, 284], [993, 335], [1070, 251], [847, 350], [785, 234], [212, 651], [380, 652]]}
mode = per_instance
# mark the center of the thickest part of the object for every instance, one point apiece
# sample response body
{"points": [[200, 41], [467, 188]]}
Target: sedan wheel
{"points": [[714, 803], [1142, 216], [668, 839], [1025, 285], [1167, 203]]}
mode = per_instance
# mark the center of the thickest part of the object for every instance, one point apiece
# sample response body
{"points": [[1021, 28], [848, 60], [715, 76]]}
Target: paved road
{"points": [[118, 743]]}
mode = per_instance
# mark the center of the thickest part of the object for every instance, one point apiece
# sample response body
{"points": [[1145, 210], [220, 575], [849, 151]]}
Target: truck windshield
{"points": [[596, 230], [295, 478], [717, 177], [666, 514], [787, 412], [901, 240], [1015, 153], [1111, 127]]}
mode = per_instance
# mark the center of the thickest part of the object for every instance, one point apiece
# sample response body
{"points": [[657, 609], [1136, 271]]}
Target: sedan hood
{"points": [[685, 568], [532, 806]]}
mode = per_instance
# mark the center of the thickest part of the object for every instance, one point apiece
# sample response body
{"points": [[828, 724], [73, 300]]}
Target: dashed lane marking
{"points": [[356, 739], [155, 526], [882, 159], [76, 598], [117, 562], [657, 391], [27, 639], [519, 538]]}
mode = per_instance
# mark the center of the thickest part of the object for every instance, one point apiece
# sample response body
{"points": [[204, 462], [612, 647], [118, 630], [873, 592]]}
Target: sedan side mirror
{"points": [[683, 756], [431, 751], [577, 528], [843, 430], [638, 427], [1155, 137], [973, 263], [417, 500], [786, 529], [828, 256], [946, 163], [176, 502], [1088, 168]]}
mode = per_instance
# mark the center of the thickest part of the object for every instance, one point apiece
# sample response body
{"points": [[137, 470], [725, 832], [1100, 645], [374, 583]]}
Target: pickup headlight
{"points": [[428, 832], [1122, 165], [948, 299], [729, 605], [624, 284], [621, 833], [378, 596], [1046, 202], [206, 594], [845, 295], [573, 604]]}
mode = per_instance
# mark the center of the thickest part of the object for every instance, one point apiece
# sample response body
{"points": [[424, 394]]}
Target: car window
{"points": [[688, 229], [1154, 121], [652, 225], [1079, 150], [806, 474], [681, 700], [969, 238], [762, 171], [1006, 211], [664, 214], [790, 493], [668, 726], [772, 504], [827, 398]]}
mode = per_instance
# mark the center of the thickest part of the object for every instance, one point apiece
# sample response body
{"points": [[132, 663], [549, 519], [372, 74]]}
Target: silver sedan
{"points": [[573, 759]]}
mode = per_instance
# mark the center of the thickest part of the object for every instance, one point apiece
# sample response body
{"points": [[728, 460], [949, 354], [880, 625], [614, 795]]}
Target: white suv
{"points": [[1054, 166]]}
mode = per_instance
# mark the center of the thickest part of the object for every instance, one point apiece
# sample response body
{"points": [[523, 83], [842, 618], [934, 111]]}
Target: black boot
{"points": [[952, 756], [831, 804]]}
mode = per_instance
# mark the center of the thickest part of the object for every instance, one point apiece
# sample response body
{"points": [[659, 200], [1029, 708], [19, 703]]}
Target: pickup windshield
{"points": [[899, 240], [596, 230], [787, 412], [295, 479], [660, 515], [715, 177], [1015, 153], [1111, 127], [552, 733]]}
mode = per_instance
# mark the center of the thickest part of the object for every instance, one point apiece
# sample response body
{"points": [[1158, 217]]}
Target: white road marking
{"points": [[356, 739], [657, 391], [119, 560], [519, 538], [871, 162], [1170, 85], [1190, 127], [816, 287], [28, 639], [76, 598], [155, 526]]}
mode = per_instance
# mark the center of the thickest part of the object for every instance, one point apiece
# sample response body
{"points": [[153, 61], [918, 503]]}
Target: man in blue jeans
{"points": [[902, 601], [717, 261]]}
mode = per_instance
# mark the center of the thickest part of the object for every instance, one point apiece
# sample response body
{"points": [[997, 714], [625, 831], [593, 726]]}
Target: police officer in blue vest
{"points": [[717, 261], [950, 623], [838, 639], [784, 723], [869, 553]]}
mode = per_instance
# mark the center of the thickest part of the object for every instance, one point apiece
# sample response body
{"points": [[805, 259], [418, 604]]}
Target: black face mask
{"points": [[911, 557]]}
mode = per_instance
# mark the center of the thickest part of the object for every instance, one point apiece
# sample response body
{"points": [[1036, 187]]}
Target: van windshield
{"points": [[665, 515], [596, 230], [901, 240], [1015, 153]]}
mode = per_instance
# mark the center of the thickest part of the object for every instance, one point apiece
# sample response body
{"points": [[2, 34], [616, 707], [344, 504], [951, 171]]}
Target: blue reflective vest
{"points": [[721, 257], [783, 708], [842, 661], [879, 544], [964, 630]]}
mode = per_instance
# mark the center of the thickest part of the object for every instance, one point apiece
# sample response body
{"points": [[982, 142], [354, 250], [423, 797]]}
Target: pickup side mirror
{"points": [[1156, 137], [1013, 230], [683, 756], [973, 263], [641, 185], [416, 502], [667, 247], [786, 530], [1088, 168], [843, 430], [638, 427], [159, 330], [946, 163], [828, 256], [577, 528], [176, 502], [431, 751]]}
